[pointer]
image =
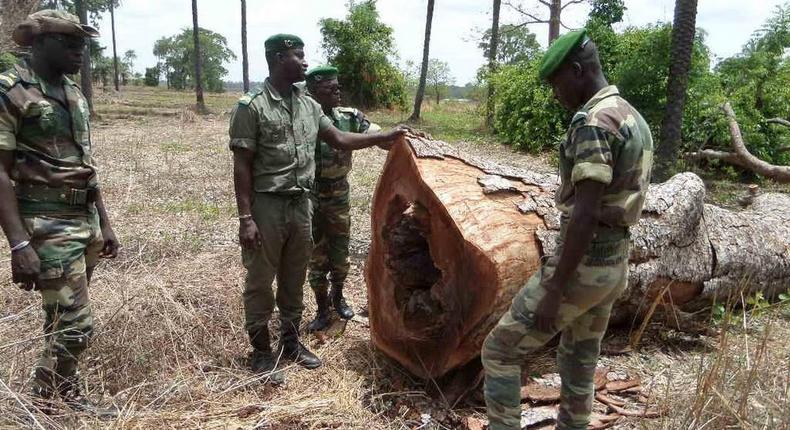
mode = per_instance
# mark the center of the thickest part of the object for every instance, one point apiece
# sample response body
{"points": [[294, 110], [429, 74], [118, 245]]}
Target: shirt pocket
{"points": [[274, 143], [40, 114]]}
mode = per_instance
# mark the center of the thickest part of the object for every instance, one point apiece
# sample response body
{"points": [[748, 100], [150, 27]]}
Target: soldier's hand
{"points": [[548, 308], [25, 267], [111, 244], [249, 236], [393, 136]]}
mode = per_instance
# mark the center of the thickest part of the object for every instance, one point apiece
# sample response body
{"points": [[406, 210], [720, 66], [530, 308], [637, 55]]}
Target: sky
{"points": [[457, 25]]}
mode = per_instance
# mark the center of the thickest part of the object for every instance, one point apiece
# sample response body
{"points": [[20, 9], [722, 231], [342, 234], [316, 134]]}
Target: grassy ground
{"points": [[171, 349]]}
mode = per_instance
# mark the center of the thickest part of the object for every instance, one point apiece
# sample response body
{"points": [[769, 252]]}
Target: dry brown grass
{"points": [[172, 352]]}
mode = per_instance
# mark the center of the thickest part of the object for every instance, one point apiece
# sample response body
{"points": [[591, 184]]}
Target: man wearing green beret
{"points": [[273, 135], [605, 163], [332, 221], [51, 206]]}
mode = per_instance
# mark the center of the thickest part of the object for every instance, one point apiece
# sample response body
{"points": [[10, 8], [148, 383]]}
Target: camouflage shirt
{"points": [[281, 134], [331, 163], [608, 141], [50, 139]]}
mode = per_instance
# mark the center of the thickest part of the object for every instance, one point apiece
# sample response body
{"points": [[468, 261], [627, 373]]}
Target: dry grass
{"points": [[172, 352]]}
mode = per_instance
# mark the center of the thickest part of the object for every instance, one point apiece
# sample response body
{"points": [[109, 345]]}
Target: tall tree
{"points": [[415, 115], [114, 51], [85, 71], [201, 105], [554, 20], [516, 44], [683, 30], [492, 57], [245, 65]]}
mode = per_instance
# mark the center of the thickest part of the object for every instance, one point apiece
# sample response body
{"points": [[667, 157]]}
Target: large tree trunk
{"points": [[492, 53], [85, 72], [555, 11], [245, 65], [415, 115], [455, 237], [201, 106], [114, 52], [683, 29]]}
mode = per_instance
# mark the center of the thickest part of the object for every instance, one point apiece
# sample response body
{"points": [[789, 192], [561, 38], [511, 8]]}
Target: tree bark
{"points": [[683, 30], [114, 51], [742, 157], [200, 106], [245, 65], [455, 237], [555, 11], [86, 80], [415, 115], [492, 53]]}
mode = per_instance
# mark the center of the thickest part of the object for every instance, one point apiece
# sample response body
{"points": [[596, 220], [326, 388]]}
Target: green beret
{"points": [[50, 21], [559, 50], [321, 73], [282, 42]]}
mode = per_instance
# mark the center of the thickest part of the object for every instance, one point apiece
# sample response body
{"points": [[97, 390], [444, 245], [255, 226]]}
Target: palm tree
{"points": [[245, 65], [85, 71], [114, 52], [683, 30], [415, 115], [492, 51], [201, 106]]}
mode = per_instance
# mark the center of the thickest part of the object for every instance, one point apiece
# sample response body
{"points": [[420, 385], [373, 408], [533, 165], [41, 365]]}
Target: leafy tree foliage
{"points": [[363, 48], [151, 76], [176, 59], [516, 44]]}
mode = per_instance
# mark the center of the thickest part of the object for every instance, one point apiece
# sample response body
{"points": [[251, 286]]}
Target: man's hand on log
{"points": [[393, 136]]}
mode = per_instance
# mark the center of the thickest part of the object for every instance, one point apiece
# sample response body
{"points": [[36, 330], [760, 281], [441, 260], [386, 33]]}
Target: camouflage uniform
{"points": [[332, 222], [283, 135], [608, 141], [55, 179]]}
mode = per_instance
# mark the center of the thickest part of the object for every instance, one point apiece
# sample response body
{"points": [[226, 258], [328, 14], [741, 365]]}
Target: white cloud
{"points": [[139, 23]]}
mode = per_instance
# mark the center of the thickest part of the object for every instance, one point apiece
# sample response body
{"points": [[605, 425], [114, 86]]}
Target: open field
{"points": [[172, 352]]}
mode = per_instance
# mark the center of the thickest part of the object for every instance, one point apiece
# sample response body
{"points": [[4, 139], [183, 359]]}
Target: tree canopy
{"points": [[176, 59], [516, 44], [363, 48]]}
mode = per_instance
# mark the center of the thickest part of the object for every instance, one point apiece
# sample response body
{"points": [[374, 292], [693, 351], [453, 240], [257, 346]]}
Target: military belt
{"points": [[64, 195]]}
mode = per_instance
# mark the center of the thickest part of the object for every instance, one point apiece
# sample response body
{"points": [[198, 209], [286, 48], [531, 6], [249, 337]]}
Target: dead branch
{"points": [[570, 3], [742, 157], [779, 121], [534, 19]]}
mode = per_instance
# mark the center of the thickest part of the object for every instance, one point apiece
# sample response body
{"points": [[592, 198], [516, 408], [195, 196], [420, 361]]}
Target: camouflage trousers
{"points": [[583, 316], [68, 247], [331, 227]]}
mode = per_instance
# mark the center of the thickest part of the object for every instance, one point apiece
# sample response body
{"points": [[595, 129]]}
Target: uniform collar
{"points": [[274, 95], [607, 91], [27, 75]]}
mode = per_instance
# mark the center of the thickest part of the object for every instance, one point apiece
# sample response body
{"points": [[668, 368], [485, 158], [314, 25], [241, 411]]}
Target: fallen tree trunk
{"points": [[455, 237]]}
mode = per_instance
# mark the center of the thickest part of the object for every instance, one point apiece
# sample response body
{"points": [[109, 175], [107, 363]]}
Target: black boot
{"points": [[71, 394], [339, 303], [43, 390], [321, 321], [262, 360], [292, 348]]}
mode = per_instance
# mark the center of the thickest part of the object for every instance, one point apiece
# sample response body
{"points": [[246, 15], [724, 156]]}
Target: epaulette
{"points": [[246, 99], [8, 79], [579, 116]]}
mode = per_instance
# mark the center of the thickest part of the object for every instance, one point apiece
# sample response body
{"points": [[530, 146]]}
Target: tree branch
{"points": [[565, 26], [570, 3], [535, 19], [779, 121], [545, 2]]}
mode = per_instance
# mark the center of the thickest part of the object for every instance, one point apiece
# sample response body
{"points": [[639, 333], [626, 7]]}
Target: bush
{"points": [[151, 76], [7, 60]]}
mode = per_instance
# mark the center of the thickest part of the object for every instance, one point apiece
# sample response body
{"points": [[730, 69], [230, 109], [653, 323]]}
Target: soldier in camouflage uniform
{"points": [[331, 221], [273, 133], [605, 164], [51, 208]]}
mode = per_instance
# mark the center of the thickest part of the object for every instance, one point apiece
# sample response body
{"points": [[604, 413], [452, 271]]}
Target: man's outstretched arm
{"points": [[353, 141]]}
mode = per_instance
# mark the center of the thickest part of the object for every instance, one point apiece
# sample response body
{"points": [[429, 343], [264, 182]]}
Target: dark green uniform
{"points": [[55, 178], [608, 141], [332, 222], [282, 133]]}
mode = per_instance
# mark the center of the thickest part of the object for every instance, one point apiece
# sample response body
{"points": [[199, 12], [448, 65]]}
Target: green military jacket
{"points": [[608, 141], [50, 139], [334, 164], [282, 135]]}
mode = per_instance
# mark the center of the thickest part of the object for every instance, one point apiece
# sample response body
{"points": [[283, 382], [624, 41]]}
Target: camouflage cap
{"points": [[559, 50], [50, 21], [321, 73], [282, 42]]}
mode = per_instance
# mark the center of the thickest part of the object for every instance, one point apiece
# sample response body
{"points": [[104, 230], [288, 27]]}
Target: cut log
{"points": [[454, 238]]}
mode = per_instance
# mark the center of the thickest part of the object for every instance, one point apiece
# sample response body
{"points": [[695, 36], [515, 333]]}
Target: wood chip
{"points": [[472, 423], [538, 393], [615, 386]]}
